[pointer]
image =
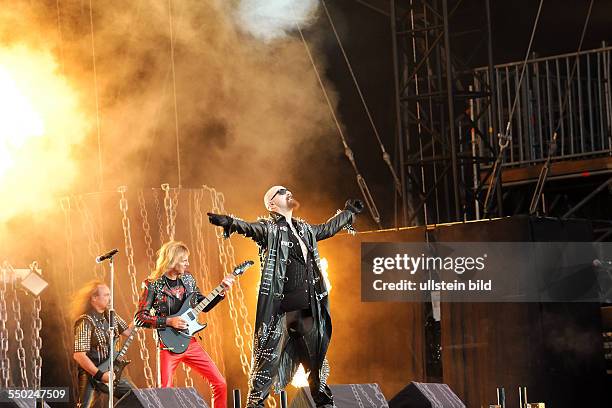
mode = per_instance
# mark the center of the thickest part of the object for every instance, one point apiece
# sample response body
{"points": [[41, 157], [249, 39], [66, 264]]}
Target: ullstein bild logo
{"points": [[432, 285]]}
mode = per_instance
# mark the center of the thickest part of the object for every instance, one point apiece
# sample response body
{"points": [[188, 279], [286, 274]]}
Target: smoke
{"points": [[273, 19], [175, 78], [40, 122], [219, 85]]}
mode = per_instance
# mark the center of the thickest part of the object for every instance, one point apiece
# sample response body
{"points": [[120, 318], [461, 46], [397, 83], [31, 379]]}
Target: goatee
{"points": [[293, 204]]}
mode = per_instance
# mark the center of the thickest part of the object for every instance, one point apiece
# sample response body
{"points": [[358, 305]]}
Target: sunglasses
{"points": [[280, 191]]}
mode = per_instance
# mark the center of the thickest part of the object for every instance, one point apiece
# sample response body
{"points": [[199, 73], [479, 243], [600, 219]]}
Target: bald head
{"points": [[268, 196], [279, 199]]}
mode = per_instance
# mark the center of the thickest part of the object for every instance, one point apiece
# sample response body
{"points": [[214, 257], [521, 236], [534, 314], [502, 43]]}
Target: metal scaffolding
{"points": [[449, 115], [441, 145]]}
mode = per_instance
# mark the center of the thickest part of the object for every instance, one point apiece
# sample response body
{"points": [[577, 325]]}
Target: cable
{"points": [[504, 140], [385, 155], [176, 125], [575, 65], [365, 191], [95, 74], [59, 33], [516, 97], [537, 193], [417, 92]]}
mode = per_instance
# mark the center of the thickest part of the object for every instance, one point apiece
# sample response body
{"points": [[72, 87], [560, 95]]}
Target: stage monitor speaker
{"points": [[162, 398], [345, 396], [426, 395]]}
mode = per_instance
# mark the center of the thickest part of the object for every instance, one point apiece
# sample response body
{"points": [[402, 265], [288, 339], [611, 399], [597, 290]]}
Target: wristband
{"points": [[99, 375]]}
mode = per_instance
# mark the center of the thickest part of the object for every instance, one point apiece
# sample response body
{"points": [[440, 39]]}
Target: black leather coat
{"points": [[272, 238]]}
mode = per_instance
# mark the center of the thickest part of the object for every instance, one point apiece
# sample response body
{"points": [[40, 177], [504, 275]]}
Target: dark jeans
{"points": [[89, 389]]}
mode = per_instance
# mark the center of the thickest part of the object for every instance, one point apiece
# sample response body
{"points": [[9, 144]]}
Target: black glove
{"points": [[220, 220], [354, 206]]}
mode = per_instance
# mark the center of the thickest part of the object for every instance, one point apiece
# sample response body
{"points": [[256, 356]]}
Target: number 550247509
{"points": [[56, 394]]}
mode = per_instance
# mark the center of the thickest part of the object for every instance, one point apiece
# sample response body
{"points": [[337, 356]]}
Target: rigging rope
{"points": [[365, 191], [97, 99], [523, 69], [176, 125], [385, 155], [504, 140], [537, 193]]}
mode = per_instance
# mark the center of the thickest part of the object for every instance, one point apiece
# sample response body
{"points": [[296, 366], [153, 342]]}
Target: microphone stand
{"points": [[111, 333]]}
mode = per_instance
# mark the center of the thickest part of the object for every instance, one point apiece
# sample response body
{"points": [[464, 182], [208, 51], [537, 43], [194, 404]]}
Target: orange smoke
{"points": [[40, 121]]}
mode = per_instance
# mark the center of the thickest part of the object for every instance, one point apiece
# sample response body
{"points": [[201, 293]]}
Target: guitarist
{"points": [[91, 341], [164, 291]]}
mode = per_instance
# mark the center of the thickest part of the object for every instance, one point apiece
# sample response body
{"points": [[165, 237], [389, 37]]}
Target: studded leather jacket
{"points": [[91, 334], [158, 300]]}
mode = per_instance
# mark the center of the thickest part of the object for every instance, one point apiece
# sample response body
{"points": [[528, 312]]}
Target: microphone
{"points": [[602, 264], [107, 255]]}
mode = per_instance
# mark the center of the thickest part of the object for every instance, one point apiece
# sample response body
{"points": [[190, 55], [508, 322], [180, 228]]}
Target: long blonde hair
{"points": [[81, 300], [167, 257]]}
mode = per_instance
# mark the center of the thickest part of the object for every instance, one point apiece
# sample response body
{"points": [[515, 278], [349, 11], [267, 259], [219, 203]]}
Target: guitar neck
{"points": [[206, 301], [239, 270], [127, 343]]}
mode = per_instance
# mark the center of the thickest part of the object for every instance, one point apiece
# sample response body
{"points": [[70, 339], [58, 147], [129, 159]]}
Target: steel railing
{"points": [[586, 122]]}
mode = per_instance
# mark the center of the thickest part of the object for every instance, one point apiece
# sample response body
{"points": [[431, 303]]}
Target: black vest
{"points": [[296, 292]]}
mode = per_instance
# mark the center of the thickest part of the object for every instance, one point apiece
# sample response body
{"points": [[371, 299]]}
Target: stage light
{"points": [[31, 279]]}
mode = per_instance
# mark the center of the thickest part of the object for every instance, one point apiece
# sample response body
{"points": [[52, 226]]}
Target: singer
{"points": [[292, 324]]}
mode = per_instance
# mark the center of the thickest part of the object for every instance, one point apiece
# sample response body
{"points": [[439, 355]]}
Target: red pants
{"points": [[196, 358]]}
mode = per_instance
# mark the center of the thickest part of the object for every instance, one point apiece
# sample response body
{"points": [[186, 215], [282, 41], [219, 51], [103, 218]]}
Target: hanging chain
{"points": [[170, 204], [93, 244], [227, 258], [244, 312], [214, 335], [67, 346], [66, 209], [36, 339], [147, 230], [168, 209], [159, 218], [5, 362], [223, 259], [65, 206], [173, 209], [21, 356], [127, 239], [129, 253]]}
